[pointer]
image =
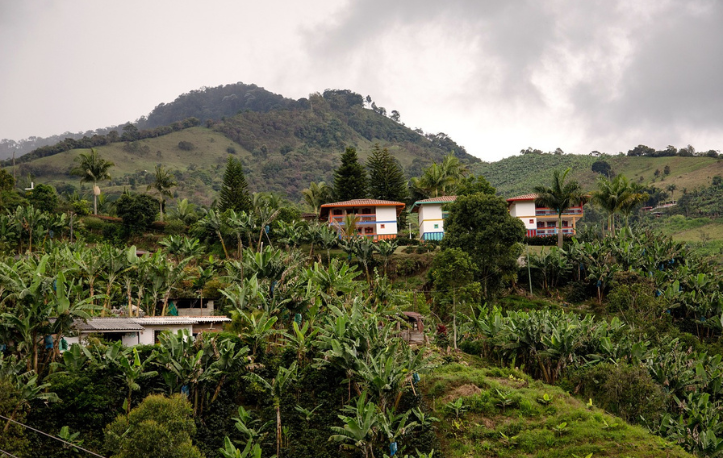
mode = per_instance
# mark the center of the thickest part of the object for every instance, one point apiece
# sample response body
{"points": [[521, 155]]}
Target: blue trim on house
{"points": [[433, 236], [362, 223]]}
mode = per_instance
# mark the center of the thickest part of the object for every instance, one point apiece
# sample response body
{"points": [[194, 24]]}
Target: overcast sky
{"points": [[495, 75]]}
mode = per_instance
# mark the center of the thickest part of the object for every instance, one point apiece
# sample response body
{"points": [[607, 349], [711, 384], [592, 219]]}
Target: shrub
{"points": [[624, 390], [186, 146], [174, 226], [231, 150]]}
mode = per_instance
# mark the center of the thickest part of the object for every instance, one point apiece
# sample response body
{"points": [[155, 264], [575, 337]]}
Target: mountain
{"points": [[283, 144]]}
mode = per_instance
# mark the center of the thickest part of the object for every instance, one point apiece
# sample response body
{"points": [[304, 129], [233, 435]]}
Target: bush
{"points": [[231, 150], [186, 146], [81, 207], [138, 211], [624, 390], [174, 226], [546, 240]]}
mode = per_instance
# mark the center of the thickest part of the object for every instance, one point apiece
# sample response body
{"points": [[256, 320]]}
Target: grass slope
{"points": [[505, 414], [520, 174]]}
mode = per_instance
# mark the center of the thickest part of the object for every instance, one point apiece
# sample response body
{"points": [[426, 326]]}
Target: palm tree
{"points": [[672, 188], [92, 168], [163, 182], [560, 196], [316, 195], [634, 198], [610, 195]]}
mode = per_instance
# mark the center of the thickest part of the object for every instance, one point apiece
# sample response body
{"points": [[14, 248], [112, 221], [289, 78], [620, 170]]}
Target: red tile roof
{"points": [[523, 197], [364, 203], [433, 200]]}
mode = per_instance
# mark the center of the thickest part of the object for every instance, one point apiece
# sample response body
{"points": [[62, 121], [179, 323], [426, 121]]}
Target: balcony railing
{"points": [[548, 212], [359, 218], [553, 231]]}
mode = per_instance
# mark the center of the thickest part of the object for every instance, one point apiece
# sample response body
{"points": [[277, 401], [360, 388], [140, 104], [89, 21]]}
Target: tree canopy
{"points": [[386, 178], [234, 194], [350, 179], [480, 225]]}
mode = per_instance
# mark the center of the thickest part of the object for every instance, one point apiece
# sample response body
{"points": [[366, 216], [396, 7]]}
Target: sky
{"points": [[496, 76]]}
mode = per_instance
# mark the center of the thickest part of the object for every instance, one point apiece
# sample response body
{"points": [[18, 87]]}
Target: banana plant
{"points": [[360, 427], [132, 371], [277, 387]]}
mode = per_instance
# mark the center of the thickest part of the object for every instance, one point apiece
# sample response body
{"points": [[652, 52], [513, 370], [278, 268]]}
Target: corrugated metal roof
{"points": [[161, 320], [136, 324], [212, 319], [108, 324], [523, 197]]}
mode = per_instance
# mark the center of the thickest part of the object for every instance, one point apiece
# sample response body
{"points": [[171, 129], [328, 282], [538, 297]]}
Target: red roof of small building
{"points": [[364, 203], [324, 209], [522, 197], [433, 200]]}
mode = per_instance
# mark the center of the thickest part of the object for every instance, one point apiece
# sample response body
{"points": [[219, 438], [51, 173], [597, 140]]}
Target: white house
{"points": [[144, 330], [542, 220], [375, 219], [432, 216]]}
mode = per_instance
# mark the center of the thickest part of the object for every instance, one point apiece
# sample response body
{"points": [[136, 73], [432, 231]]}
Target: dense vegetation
{"points": [[314, 362]]}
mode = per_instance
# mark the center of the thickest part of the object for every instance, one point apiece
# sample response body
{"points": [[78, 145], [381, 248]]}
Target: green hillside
{"points": [[282, 149], [519, 174]]}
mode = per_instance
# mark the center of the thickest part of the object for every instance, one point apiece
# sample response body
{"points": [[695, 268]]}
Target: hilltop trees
{"points": [[386, 178], [92, 168], [559, 196], [350, 179], [234, 194]]}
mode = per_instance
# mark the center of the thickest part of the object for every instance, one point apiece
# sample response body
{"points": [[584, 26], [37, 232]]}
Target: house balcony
{"points": [[553, 231], [549, 212], [339, 219]]}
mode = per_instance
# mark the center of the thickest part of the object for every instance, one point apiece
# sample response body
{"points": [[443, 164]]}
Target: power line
{"points": [[50, 436], [8, 453]]}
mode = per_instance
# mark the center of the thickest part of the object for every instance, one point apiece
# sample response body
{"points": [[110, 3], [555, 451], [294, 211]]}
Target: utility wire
{"points": [[50, 436], [8, 453]]}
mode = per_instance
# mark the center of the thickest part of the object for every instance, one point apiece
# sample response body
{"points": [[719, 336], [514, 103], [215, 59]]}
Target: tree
{"points": [[162, 183], [481, 226], [610, 195], [159, 426], [602, 167], [7, 182], [316, 195], [350, 179], [92, 168], [234, 194], [474, 185], [138, 211], [666, 170], [671, 188], [559, 196], [43, 197], [386, 178]]}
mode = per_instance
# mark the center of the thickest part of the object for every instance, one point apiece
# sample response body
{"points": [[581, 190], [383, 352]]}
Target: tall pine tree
{"points": [[350, 179], [386, 178], [234, 194]]}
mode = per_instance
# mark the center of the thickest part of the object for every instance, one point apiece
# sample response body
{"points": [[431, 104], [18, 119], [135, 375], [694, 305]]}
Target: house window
{"points": [[359, 230], [366, 211], [564, 224], [337, 212], [368, 230], [381, 226], [436, 226], [532, 221]]}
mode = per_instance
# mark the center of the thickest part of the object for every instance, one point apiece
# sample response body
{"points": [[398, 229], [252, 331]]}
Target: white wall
{"points": [[146, 336], [384, 216], [525, 208], [429, 215]]}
